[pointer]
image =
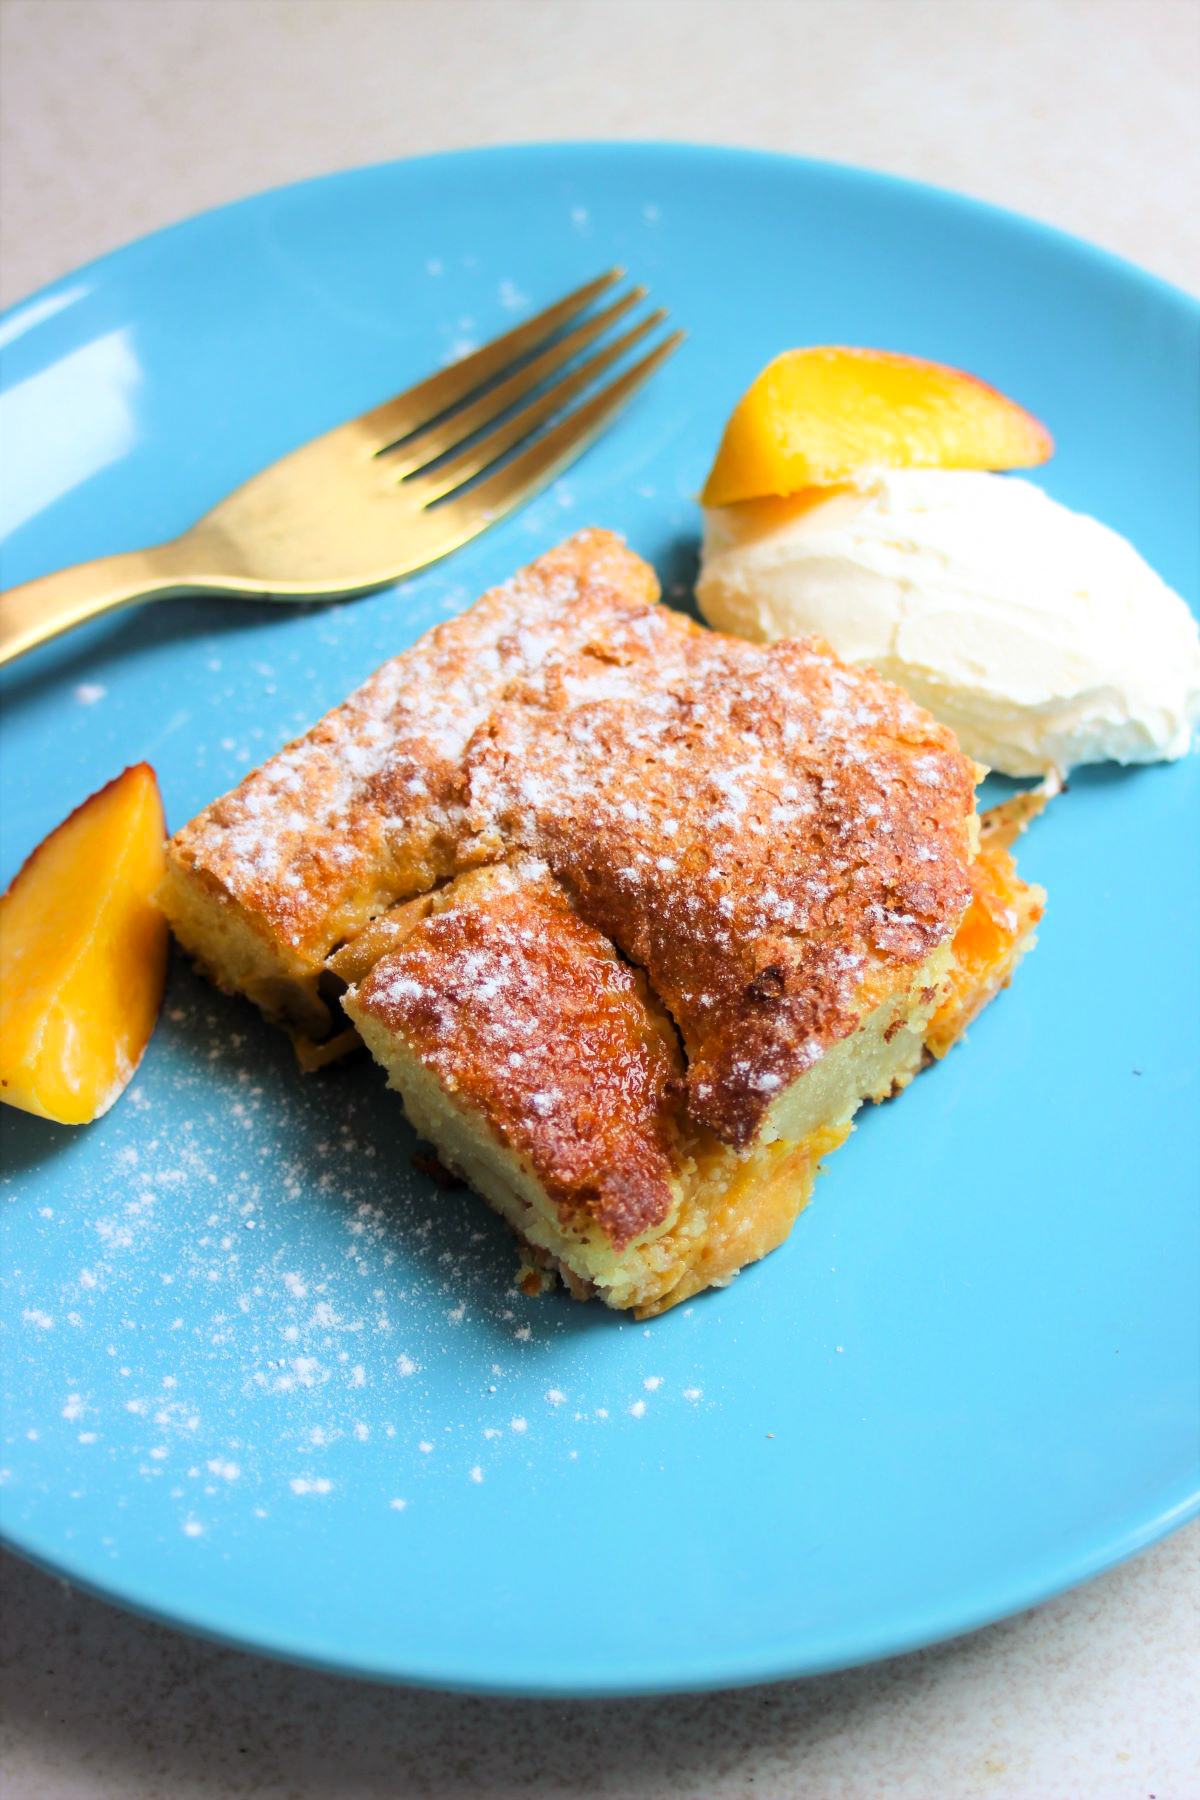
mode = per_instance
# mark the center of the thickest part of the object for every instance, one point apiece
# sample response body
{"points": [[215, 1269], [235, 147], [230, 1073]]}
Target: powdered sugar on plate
{"points": [[246, 1299]]}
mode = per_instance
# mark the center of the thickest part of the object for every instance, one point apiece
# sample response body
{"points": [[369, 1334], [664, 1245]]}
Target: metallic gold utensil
{"points": [[386, 493]]}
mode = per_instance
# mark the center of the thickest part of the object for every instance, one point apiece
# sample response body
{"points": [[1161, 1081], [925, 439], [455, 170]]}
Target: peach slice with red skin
{"points": [[83, 955], [813, 417]]}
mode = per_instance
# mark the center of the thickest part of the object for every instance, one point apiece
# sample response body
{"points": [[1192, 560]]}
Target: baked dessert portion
{"points": [[635, 915], [541, 1066], [268, 880]]}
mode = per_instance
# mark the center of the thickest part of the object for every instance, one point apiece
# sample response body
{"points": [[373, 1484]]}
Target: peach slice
{"points": [[812, 417], [83, 955]]}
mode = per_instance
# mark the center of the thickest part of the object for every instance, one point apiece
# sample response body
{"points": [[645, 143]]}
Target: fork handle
{"points": [[39, 610]]}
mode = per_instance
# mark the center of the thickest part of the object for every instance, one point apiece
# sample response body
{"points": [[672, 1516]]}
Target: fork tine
{"points": [[478, 456], [435, 441], [537, 465], [397, 417]]}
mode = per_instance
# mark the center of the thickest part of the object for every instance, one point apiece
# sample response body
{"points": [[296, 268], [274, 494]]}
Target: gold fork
{"points": [[383, 494]]}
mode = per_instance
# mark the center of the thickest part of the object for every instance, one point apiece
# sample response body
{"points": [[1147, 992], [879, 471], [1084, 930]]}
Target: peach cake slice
{"points": [[634, 914]]}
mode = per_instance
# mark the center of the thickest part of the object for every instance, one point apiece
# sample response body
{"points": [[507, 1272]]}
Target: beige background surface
{"points": [[121, 115], [117, 116]]}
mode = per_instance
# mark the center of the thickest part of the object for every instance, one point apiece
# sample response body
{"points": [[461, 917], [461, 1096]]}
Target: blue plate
{"points": [[264, 1380]]}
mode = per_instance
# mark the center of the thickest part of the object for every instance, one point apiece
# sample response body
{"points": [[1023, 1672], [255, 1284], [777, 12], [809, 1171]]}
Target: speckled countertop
{"points": [[117, 116]]}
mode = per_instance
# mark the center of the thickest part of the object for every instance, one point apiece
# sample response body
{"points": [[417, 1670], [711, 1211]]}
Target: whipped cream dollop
{"points": [[1039, 635]]}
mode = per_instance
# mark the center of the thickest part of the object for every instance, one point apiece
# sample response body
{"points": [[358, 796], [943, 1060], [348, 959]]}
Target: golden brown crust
{"points": [[528, 1014], [769, 834], [362, 809], [774, 838], [628, 813]]}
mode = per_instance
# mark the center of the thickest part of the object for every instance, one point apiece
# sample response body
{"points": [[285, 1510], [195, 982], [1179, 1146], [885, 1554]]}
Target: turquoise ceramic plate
{"points": [[261, 1378]]}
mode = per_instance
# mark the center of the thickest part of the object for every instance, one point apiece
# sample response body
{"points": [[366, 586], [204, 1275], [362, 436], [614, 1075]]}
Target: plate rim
{"points": [[1178, 1503], [749, 1670], [684, 149]]}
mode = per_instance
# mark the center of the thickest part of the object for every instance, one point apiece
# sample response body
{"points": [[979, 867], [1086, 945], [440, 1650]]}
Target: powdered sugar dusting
{"points": [[757, 827], [238, 1379], [366, 797], [472, 988], [743, 822]]}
